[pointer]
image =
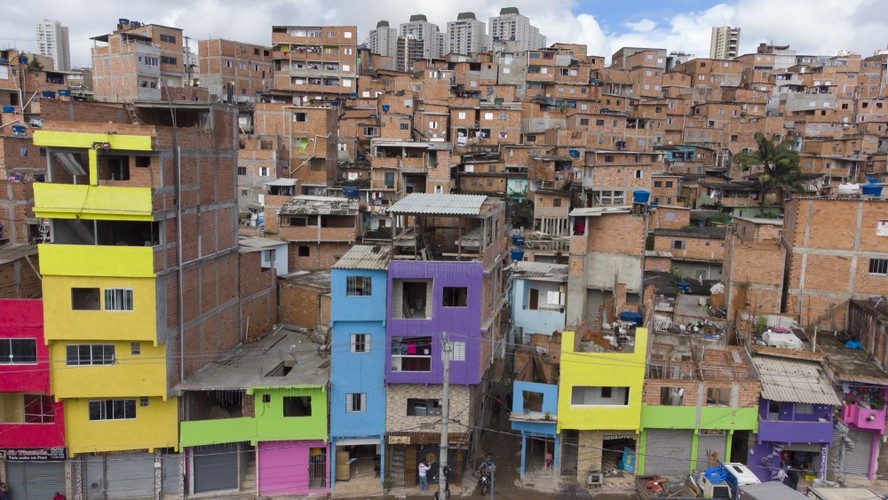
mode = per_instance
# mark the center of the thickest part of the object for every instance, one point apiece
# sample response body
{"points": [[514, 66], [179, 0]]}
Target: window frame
{"points": [[109, 409], [361, 400], [359, 343], [355, 289], [124, 303], [92, 358], [9, 359], [878, 267]]}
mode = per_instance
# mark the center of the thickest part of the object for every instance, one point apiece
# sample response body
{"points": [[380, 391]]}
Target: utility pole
{"points": [[446, 348]]}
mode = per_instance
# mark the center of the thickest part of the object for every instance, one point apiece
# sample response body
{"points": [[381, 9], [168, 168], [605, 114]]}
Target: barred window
{"points": [[360, 342], [358, 286]]}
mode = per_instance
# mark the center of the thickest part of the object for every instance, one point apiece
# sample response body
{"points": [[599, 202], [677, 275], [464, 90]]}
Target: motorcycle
{"points": [[484, 482]]}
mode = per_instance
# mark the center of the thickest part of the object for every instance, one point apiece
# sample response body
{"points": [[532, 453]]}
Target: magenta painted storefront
{"points": [[292, 467]]}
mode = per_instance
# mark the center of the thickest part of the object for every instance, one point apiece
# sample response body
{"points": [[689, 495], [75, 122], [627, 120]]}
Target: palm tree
{"points": [[780, 165]]}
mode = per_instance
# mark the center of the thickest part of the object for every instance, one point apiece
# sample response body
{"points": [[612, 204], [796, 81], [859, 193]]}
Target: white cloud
{"points": [[642, 26]]}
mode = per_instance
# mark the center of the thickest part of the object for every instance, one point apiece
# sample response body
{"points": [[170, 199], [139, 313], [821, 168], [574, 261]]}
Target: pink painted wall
{"points": [[283, 467]]}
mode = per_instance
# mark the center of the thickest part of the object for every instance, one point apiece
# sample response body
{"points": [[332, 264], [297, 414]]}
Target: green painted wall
{"points": [[223, 430], [271, 423]]}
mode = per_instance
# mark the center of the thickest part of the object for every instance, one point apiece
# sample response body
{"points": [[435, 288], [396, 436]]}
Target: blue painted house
{"points": [[534, 413], [357, 368], [538, 298]]}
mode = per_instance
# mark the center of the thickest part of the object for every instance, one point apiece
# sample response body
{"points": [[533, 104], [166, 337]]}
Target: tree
{"points": [[780, 166]]}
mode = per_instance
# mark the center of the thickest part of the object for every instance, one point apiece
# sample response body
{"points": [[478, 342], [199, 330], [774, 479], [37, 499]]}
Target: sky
{"points": [[820, 27]]}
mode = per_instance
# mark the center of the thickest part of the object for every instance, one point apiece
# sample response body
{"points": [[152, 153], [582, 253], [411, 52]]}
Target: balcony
{"points": [[864, 418], [791, 431], [225, 430], [96, 260], [66, 201]]}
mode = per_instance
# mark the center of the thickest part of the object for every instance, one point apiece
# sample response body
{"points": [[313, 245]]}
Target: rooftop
{"points": [[794, 381], [439, 204], [539, 271], [12, 252], [320, 279], [598, 211], [258, 365], [319, 205], [368, 257], [853, 365], [257, 244]]}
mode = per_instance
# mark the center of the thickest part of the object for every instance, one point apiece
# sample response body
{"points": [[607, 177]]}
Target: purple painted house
{"points": [[795, 417], [444, 282]]}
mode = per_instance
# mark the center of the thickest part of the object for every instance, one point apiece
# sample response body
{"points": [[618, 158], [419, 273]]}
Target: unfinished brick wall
{"points": [[301, 304], [258, 296], [18, 280], [705, 249]]}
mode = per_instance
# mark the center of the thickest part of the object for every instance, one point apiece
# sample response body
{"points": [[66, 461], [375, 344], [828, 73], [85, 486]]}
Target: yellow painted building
{"points": [[599, 403], [102, 320]]}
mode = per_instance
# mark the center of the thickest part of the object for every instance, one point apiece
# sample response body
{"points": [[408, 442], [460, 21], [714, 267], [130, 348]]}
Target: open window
{"points": [[455, 296], [113, 168], [412, 299], [297, 406], [423, 407], [411, 354]]}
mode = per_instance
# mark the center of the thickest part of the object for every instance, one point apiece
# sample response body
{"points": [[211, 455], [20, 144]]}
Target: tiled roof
{"points": [[439, 204], [794, 381], [319, 205], [369, 257], [540, 271]]}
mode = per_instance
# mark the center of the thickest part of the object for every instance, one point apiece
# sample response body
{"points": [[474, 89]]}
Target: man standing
{"points": [[423, 478]]}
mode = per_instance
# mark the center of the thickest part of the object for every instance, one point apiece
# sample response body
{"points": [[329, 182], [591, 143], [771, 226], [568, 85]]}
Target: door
{"points": [[170, 473], [710, 449], [129, 475], [857, 456], [668, 452], [570, 442], [534, 301], [214, 468], [317, 472], [35, 480]]}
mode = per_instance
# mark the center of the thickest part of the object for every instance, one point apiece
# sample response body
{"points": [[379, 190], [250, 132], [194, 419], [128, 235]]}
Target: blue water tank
{"points": [[49, 94], [871, 190], [872, 180], [385, 108], [518, 240], [640, 196], [351, 192], [517, 254], [631, 317], [18, 129], [9, 109], [684, 286], [64, 93]]}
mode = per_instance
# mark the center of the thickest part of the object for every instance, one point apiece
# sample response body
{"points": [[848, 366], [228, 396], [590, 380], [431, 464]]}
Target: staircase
{"points": [[772, 460], [397, 467]]}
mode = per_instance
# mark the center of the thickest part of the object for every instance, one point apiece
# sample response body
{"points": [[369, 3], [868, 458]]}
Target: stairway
{"points": [[773, 461], [397, 467]]}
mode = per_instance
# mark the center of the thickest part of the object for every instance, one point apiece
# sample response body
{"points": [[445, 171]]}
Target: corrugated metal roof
{"points": [[794, 381], [14, 251], [439, 204], [598, 211], [540, 271], [319, 205], [368, 257]]}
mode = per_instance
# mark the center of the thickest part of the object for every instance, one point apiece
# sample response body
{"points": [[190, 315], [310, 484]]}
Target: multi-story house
{"points": [[234, 72], [698, 409], [32, 429], [357, 369], [138, 291], [599, 402], [795, 416], [136, 61], [696, 252], [539, 296], [533, 413], [256, 421], [319, 229], [444, 288], [315, 62], [753, 266]]}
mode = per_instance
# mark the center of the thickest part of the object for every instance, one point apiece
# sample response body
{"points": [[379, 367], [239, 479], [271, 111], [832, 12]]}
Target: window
{"points": [[168, 60], [878, 266], [804, 409], [89, 354], [23, 151], [167, 38], [599, 122], [672, 396], [678, 244], [455, 296], [599, 396], [669, 184], [458, 353], [411, 354], [532, 401], [38, 409], [358, 286], [556, 202], [304, 251], [423, 407], [608, 158], [360, 342], [412, 299], [404, 126], [135, 348], [119, 299], [263, 171], [356, 402], [389, 179], [112, 409], [658, 184], [297, 406], [241, 170], [300, 117], [882, 227], [584, 121], [716, 396], [85, 299], [18, 351]]}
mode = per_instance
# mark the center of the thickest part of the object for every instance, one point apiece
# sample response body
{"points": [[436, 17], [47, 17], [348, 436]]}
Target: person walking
{"points": [[548, 459], [423, 476]]}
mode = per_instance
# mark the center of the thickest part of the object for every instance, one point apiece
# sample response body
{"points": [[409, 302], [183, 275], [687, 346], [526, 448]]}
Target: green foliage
{"points": [[781, 171], [649, 242], [34, 63]]}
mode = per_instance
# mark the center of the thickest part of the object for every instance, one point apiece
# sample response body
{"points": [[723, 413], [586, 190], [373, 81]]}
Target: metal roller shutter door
{"points": [[710, 444], [668, 452], [215, 468], [857, 459], [130, 475], [35, 480], [170, 471]]}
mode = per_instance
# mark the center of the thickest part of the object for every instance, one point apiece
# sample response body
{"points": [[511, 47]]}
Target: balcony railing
{"points": [[864, 418]]}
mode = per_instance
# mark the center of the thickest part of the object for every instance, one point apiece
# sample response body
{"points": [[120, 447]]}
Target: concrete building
{"points": [[52, 41], [139, 292], [466, 35], [383, 40], [419, 28], [512, 26], [724, 43]]}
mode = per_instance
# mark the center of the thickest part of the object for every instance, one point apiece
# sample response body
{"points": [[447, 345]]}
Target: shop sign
{"points": [[33, 454]]}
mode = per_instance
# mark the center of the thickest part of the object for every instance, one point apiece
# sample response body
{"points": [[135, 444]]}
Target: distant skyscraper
{"points": [[52, 41], [421, 29], [511, 26], [725, 42], [465, 35], [384, 40]]}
